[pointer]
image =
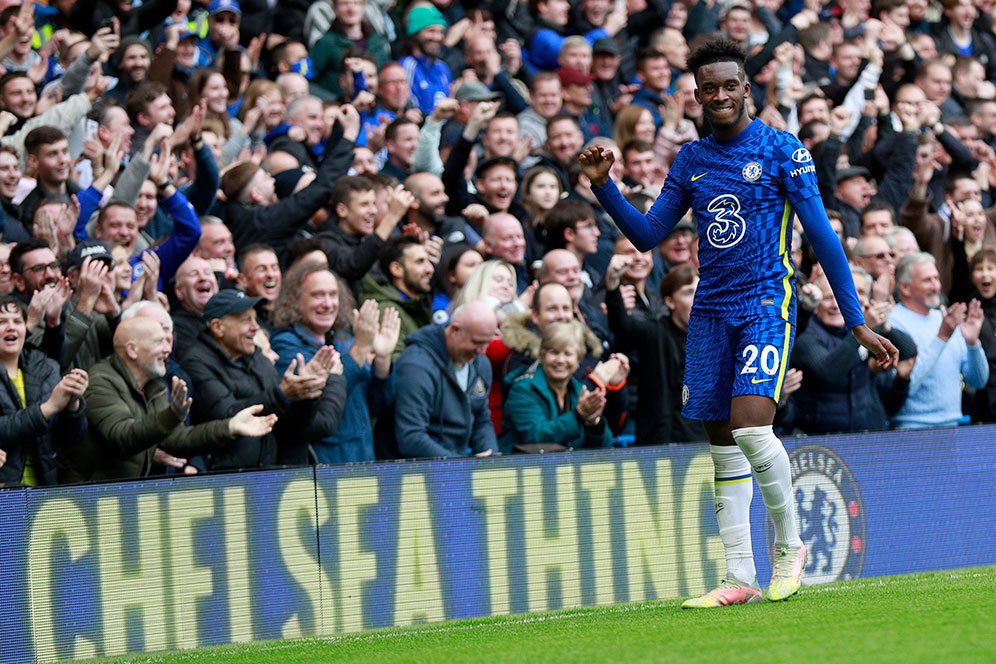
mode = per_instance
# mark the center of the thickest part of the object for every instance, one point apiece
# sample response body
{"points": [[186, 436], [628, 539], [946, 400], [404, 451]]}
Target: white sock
{"points": [[734, 491], [774, 476]]}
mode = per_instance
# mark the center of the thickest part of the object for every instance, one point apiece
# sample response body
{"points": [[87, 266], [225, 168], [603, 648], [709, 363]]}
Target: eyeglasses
{"points": [[40, 269]]}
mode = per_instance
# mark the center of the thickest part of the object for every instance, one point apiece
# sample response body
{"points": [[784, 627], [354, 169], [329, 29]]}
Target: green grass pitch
{"points": [[947, 616]]}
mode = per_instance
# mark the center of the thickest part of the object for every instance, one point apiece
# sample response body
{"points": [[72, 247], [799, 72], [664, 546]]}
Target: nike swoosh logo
{"points": [[699, 176], [755, 381]]}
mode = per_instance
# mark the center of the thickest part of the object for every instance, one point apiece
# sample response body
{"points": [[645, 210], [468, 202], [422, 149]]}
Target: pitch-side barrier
{"points": [[179, 563]]}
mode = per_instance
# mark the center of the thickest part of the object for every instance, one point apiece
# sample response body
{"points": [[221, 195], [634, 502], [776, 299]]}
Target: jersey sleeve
{"points": [[798, 172]]}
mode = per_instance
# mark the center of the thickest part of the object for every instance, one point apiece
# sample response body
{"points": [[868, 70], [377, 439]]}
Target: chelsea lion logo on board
{"points": [[830, 515], [752, 171]]}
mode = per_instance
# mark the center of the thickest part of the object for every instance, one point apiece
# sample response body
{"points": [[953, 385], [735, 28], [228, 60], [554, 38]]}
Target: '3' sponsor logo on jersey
{"points": [[727, 227]]}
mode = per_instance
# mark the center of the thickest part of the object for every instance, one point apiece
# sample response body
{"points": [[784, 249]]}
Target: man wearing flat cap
{"points": [[428, 76], [229, 372], [852, 194]]}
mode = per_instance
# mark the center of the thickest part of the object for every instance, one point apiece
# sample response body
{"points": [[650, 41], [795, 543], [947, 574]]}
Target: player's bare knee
{"points": [[720, 433], [751, 411]]}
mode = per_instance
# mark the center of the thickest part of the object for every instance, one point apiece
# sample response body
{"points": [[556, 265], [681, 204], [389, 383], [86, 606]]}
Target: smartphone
{"points": [[90, 130], [870, 95], [107, 23]]}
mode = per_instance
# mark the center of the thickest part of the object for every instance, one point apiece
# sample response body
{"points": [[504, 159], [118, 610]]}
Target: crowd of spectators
{"points": [[240, 235]]}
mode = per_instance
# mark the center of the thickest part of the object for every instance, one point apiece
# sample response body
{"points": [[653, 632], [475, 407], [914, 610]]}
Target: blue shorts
{"points": [[729, 357]]}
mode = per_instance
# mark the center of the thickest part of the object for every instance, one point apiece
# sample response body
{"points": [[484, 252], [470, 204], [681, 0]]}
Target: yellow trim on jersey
{"points": [[786, 260], [740, 481], [784, 361]]}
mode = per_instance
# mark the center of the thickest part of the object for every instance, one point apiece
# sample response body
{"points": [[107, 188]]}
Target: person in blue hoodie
{"points": [[443, 380]]}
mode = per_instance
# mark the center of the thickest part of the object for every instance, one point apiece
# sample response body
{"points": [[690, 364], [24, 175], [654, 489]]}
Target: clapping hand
{"points": [[387, 335], [248, 422], [299, 383], [324, 363], [180, 400], [590, 405]]}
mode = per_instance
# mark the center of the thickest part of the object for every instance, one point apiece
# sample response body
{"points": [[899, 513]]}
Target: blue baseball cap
{"points": [[218, 6]]}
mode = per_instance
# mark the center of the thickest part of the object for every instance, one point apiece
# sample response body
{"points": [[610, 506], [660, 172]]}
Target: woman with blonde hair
{"points": [[265, 95], [493, 282], [547, 405], [634, 123]]}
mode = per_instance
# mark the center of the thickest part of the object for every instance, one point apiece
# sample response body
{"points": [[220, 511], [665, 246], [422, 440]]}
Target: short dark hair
{"points": [[564, 215], [11, 75], [301, 247], [141, 96], [344, 188], [647, 54], [393, 250], [677, 277], [16, 259], [113, 203], [877, 205], [98, 112], [716, 50], [10, 304], [636, 145], [562, 117], [40, 136], [391, 132], [251, 250], [808, 130]]}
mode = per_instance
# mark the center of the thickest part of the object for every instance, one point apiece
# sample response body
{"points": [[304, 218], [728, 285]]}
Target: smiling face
{"points": [[195, 284], [19, 96], [497, 187], [216, 93], [13, 332], [544, 191], [10, 174], [560, 363], [319, 302], [923, 291], [261, 275], [564, 140], [236, 333], [722, 91], [984, 278], [52, 162], [501, 287], [360, 216], [680, 304], [6, 285]]}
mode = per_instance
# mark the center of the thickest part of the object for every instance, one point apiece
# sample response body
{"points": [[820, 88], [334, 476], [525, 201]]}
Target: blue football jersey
{"points": [[742, 192]]}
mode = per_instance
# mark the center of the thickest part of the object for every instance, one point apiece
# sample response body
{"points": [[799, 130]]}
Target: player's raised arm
{"points": [[644, 231], [830, 253]]}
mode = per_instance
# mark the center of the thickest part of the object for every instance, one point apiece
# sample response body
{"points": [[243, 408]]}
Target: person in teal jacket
{"points": [[348, 31], [547, 404]]}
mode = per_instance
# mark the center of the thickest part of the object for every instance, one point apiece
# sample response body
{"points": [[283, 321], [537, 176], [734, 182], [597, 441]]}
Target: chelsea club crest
{"points": [[830, 513], [752, 171]]}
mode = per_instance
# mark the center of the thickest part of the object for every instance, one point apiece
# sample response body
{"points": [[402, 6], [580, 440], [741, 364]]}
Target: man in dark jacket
{"points": [[443, 381], [130, 415], [353, 238], [839, 392], [230, 372], [253, 212], [38, 410]]}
